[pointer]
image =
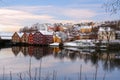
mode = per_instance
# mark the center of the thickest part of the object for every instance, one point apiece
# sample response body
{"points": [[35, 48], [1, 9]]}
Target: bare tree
{"points": [[112, 6]]}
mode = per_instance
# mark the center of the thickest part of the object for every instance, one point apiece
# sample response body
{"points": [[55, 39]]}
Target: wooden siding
{"points": [[86, 30], [56, 39], [49, 39], [24, 38], [16, 38], [39, 38], [30, 38], [103, 35]]}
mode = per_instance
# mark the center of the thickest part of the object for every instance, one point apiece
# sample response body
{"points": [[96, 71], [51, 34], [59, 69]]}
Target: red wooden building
{"points": [[49, 39], [48, 36], [30, 38], [39, 38]]}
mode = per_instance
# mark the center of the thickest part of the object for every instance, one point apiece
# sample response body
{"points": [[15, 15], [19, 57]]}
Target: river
{"points": [[53, 63]]}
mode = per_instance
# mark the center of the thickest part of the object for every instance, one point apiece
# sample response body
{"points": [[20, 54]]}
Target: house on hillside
{"points": [[106, 33], [85, 29], [56, 38], [117, 35], [85, 32]]}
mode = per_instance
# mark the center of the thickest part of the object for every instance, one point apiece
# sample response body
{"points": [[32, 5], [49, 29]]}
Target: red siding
{"points": [[30, 38], [39, 38], [49, 39]]}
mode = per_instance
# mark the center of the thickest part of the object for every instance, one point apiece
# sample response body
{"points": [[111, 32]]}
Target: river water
{"points": [[53, 63]]}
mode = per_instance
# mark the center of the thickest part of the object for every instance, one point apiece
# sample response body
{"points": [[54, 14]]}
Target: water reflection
{"points": [[110, 59], [37, 52], [49, 62]]}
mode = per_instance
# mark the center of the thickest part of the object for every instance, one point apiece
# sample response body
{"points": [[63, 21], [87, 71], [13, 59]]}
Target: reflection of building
{"points": [[24, 50], [39, 52], [16, 50], [31, 50], [56, 50]]}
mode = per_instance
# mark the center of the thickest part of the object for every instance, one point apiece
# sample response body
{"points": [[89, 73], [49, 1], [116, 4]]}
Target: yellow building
{"points": [[86, 29], [56, 39]]}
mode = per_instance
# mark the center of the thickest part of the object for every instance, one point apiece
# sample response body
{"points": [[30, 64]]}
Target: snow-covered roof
{"points": [[20, 34], [54, 44], [115, 41], [77, 27], [105, 29], [87, 40], [86, 27], [6, 38], [46, 32], [117, 32], [6, 34]]}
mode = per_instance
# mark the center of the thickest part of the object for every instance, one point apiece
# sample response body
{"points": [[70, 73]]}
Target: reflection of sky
{"points": [[64, 67]]}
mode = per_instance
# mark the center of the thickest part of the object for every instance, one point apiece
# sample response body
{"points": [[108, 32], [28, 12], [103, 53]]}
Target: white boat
{"points": [[80, 44]]}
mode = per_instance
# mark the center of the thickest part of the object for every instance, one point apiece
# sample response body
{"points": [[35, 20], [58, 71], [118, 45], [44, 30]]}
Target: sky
{"points": [[15, 14]]}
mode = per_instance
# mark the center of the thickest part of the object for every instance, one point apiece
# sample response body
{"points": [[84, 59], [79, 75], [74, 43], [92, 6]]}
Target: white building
{"points": [[106, 33]]}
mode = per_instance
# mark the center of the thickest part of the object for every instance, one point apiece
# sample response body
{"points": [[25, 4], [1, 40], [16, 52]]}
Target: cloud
{"points": [[60, 11], [78, 13], [14, 19], [19, 16]]}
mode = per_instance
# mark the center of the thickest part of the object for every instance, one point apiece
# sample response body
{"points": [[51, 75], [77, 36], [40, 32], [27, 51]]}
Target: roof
{"points": [[46, 32], [85, 27], [105, 29], [20, 34], [6, 38], [87, 40], [118, 32], [6, 34]]}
